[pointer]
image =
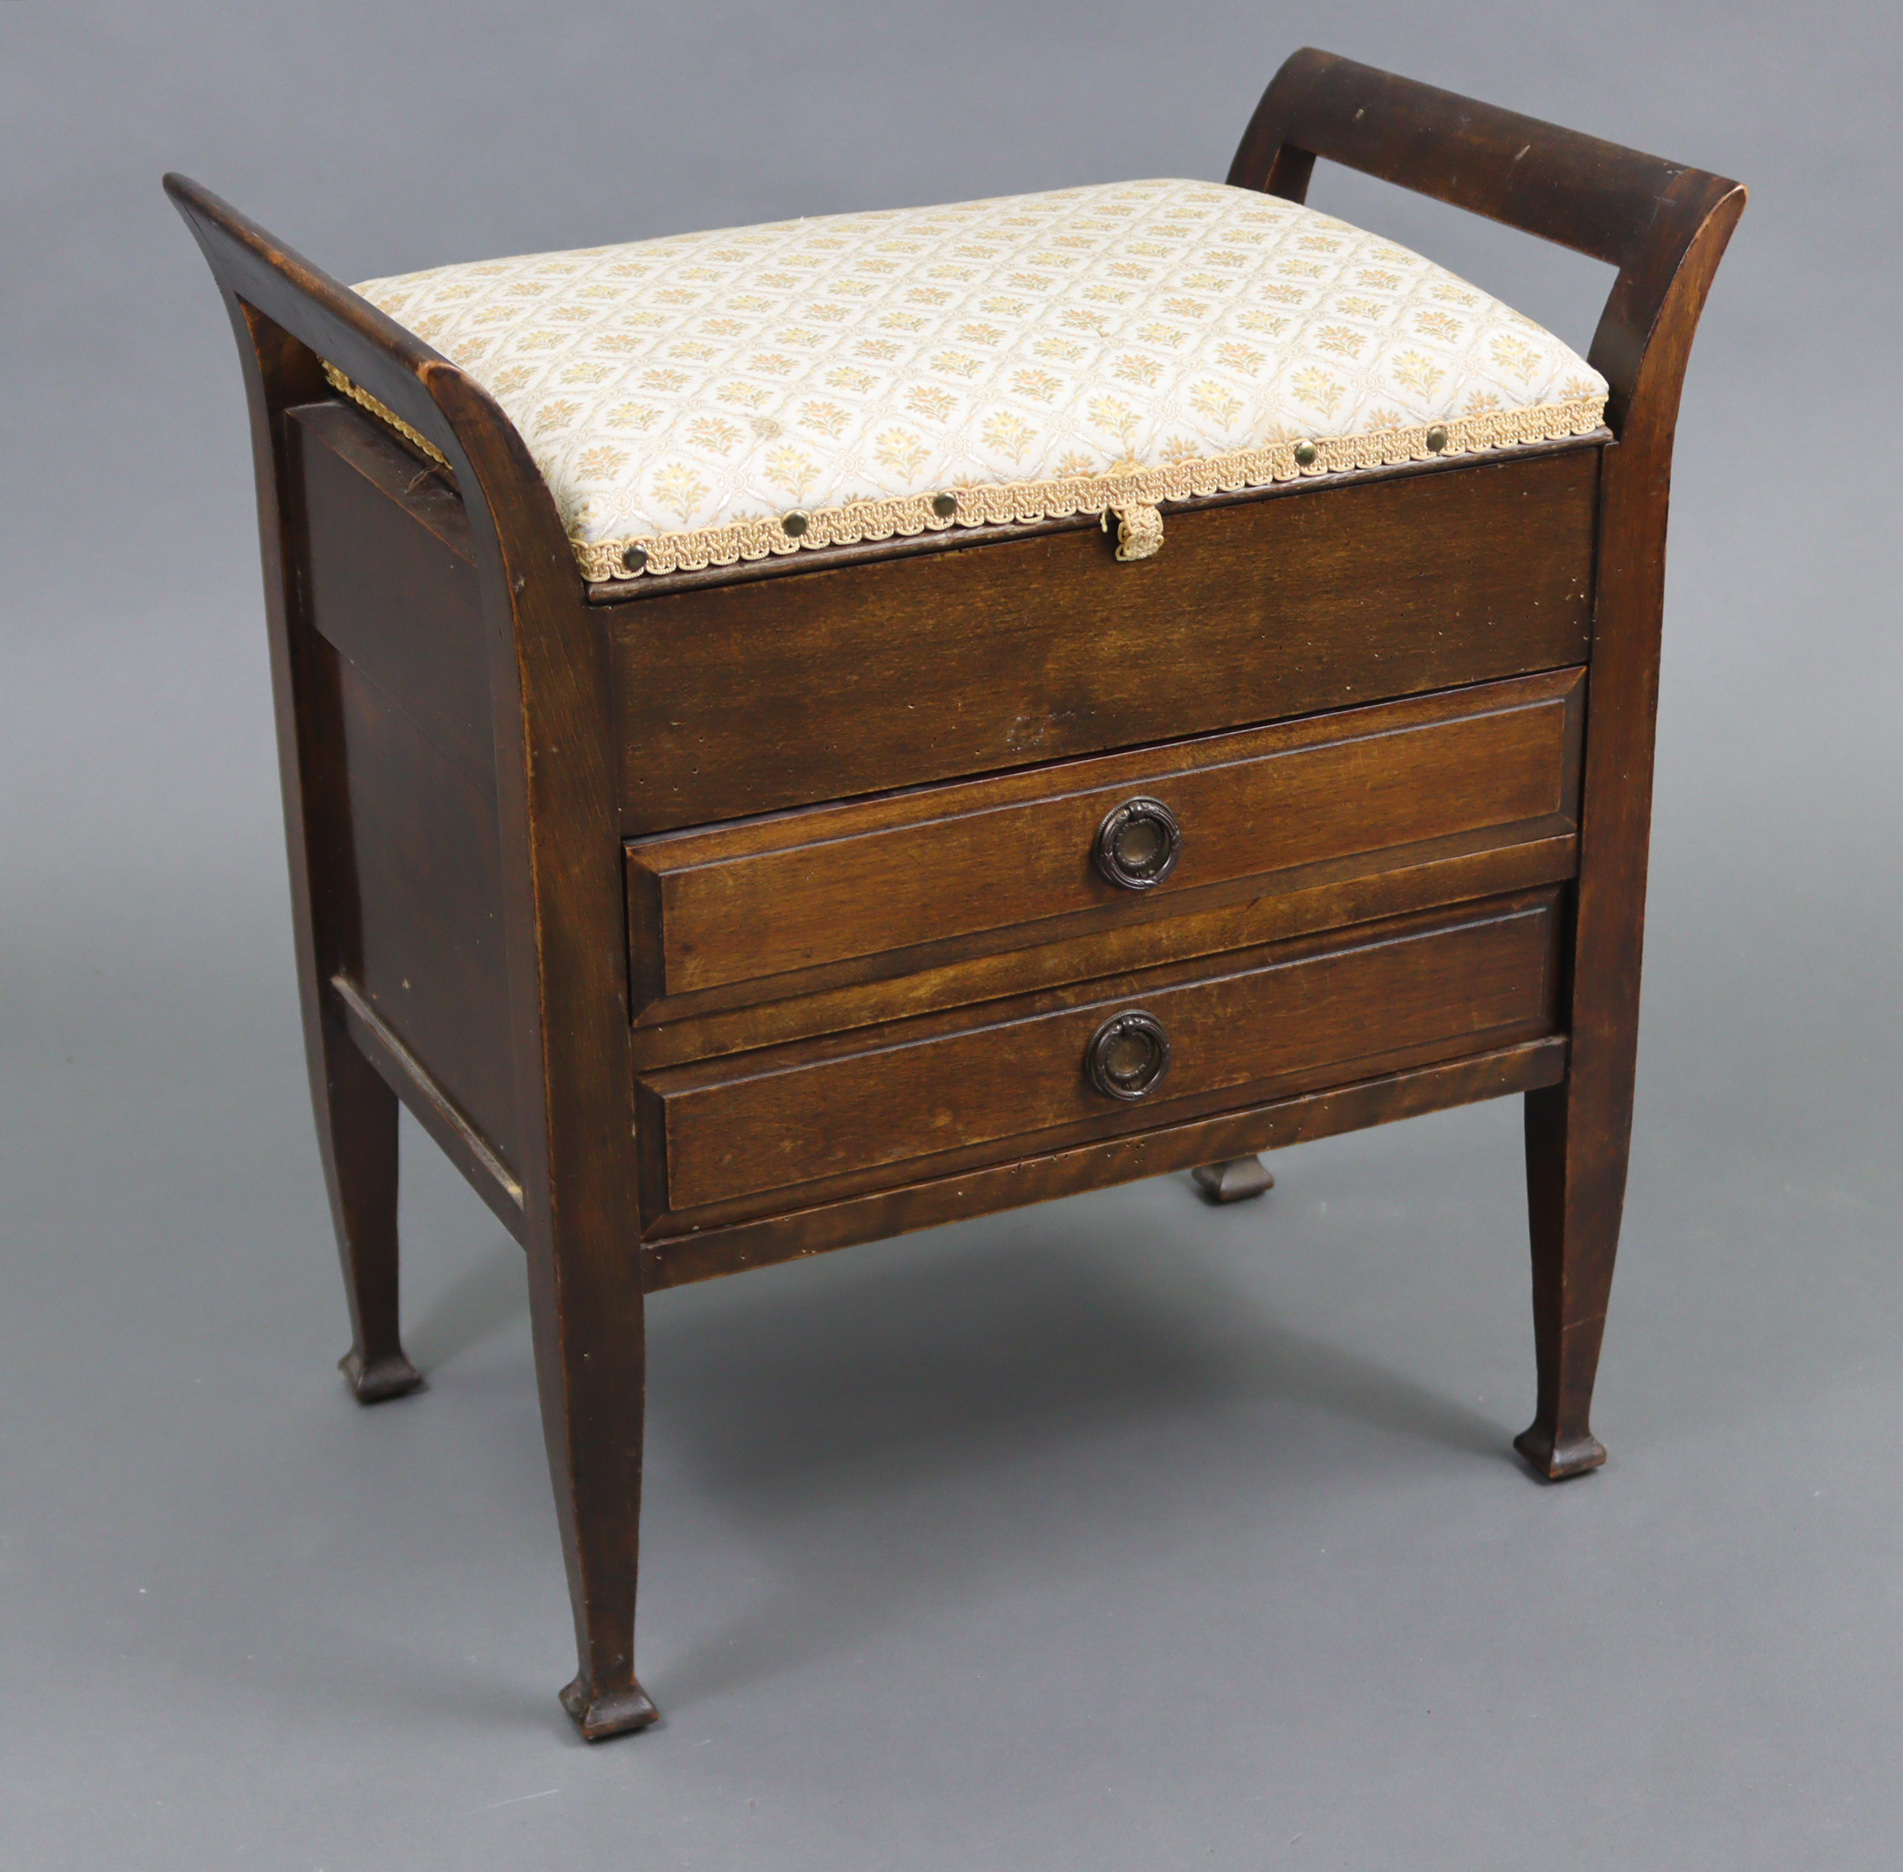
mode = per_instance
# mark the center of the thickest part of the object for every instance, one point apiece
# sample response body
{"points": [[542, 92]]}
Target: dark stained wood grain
{"points": [[1579, 1133], [432, 1106], [990, 863], [356, 1113], [390, 588], [362, 1173], [564, 918], [390, 582], [1665, 227], [422, 493], [468, 735], [748, 699], [1044, 1176], [765, 1122], [427, 948], [1332, 896], [1577, 190], [561, 901]]}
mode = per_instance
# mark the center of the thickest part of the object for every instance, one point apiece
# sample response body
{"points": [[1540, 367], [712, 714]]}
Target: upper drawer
{"points": [[754, 696], [843, 893]]}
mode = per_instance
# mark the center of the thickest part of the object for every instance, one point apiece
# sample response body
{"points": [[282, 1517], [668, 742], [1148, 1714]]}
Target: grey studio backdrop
{"points": [[1116, 1533]]}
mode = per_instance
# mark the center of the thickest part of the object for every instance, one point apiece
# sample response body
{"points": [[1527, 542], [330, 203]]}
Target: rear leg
{"points": [[357, 1130], [1234, 1180], [1575, 1178]]}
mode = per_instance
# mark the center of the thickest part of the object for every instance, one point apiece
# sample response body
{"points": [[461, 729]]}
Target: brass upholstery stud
{"points": [[795, 524], [1305, 453], [1436, 439], [635, 559], [944, 505]]}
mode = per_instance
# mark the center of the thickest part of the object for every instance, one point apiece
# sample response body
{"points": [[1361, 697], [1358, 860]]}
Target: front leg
{"points": [[591, 1369]]}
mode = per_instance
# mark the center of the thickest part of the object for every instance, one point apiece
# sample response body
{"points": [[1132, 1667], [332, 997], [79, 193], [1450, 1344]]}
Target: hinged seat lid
{"points": [[708, 398]]}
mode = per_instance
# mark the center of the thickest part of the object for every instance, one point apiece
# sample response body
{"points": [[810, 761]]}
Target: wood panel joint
{"points": [[433, 1108]]}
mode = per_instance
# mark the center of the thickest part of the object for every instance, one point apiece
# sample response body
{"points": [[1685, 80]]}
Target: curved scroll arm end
{"points": [[269, 284], [341, 326], [1644, 338], [529, 530], [1262, 160]]}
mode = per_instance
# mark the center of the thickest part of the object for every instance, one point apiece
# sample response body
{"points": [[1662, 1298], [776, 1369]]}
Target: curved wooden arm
{"points": [[1665, 228], [1637, 212], [341, 326], [563, 913], [260, 275]]}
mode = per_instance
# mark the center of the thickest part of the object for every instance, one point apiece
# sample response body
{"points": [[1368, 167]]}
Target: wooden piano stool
{"points": [[799, 734]]}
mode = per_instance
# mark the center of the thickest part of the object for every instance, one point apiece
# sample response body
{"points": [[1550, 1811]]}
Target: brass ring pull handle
{"points": [[1128, 1055], [1138, 844]]}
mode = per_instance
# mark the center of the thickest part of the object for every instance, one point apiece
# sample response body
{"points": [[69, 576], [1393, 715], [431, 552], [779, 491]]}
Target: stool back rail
{"points": [[503, 789]]}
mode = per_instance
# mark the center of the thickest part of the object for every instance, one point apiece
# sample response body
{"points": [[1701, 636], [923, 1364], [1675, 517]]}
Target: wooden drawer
{"points": [[810, 900], [791, 1125], [755, 696]]}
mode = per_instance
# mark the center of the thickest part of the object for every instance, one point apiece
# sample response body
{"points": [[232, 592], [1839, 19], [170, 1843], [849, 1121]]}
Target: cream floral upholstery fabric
{"points": [[709, 398]]}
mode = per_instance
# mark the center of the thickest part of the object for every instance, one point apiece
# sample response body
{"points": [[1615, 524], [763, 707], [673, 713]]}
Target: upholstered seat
{"points": [[708, 398]]}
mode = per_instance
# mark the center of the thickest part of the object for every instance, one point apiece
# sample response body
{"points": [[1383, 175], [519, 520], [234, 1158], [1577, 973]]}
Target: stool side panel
{"points": [[389, 583], [913, 670], [430, 954], [396, 612]]}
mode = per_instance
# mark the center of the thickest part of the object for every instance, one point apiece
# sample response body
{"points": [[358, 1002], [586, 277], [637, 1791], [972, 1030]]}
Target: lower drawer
{"points": [[773, 1130]]}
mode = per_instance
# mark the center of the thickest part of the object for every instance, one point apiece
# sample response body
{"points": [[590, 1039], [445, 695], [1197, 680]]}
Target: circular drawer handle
{"points": [[1138, 844], [1128, 1055]]}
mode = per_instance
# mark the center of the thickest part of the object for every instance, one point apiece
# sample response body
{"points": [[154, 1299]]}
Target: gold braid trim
{"points": [[1014, 502], [384, 413]]}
